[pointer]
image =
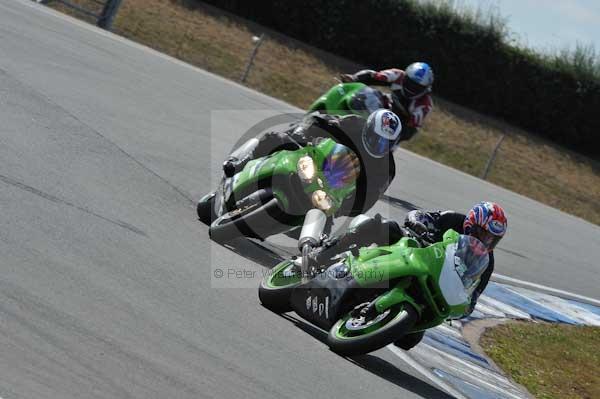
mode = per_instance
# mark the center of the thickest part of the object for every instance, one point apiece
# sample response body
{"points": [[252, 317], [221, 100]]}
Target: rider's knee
{"points": [[392, 229], [360, 222], [382, 230]]}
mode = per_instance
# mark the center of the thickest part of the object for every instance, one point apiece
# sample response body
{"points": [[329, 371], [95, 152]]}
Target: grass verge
{"points": [[298, 74], [551, 360]]}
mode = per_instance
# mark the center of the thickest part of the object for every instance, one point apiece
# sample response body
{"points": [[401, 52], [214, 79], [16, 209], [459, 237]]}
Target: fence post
{"points": [[108, 14], [258, 41], [490, 161]]}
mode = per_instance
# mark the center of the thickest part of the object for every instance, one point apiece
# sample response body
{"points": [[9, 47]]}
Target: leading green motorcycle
{"points": [[371, 297]]}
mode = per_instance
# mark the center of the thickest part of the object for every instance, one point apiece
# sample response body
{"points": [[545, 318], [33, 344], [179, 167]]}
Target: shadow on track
{"points": [[264, 254], [399, 203], [375, 365], [269, 255]]}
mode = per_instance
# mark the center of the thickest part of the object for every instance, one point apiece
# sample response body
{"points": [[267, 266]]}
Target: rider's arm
{"points": [[382, 78], [483, 282], [422, 221], [436, 223], [447, 220]]}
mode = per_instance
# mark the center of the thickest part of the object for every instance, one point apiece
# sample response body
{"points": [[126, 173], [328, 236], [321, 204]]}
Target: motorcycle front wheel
{"points": [[205, 208], [355, 335], [253, 220], [276, 287]]}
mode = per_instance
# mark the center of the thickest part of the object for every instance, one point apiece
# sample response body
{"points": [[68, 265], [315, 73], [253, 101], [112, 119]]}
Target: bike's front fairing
{"points": [[437, 279], [324, 174]]}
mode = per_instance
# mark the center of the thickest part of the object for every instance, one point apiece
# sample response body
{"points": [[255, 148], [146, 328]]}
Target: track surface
{"points": [[106, 274]]}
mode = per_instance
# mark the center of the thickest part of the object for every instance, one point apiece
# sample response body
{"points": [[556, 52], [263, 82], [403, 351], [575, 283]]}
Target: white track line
{"points": [[405, 357], [538, 287]]}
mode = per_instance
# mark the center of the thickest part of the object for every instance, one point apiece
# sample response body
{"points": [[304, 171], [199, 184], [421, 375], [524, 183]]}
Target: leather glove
{"points": [[417, 227], [347, 78]]}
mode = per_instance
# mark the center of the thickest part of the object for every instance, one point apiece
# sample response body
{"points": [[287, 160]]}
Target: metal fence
{"points": [[104, 14]]}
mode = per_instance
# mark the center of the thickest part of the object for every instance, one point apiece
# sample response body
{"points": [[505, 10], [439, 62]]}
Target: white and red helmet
{"points": [[417, 81]]}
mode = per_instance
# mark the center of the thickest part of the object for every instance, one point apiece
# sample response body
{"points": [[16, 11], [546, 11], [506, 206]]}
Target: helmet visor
{"points": [[412, 88], [488, 239], [367, 100], [471, 260], [377, 145]]}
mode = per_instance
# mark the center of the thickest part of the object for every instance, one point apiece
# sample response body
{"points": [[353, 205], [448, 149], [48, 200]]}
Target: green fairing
{"points": [[338, 99], [285, 163], [410, 265], [413, 277]]}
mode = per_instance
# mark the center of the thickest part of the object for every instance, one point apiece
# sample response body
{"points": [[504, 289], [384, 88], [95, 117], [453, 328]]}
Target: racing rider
{"points": [[486, 221], [411, 88], [372, 140]]}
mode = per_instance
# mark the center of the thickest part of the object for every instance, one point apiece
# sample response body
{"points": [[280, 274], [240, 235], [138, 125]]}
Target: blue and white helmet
{"points": [[381, 132], [418, 80]]}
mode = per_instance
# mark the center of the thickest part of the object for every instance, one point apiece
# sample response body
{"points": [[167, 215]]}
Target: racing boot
{"points": [[239, 158]]}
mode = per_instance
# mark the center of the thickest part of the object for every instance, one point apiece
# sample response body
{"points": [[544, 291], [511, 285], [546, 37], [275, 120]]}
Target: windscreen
{"points": [[470, 260], [367, 100], [341, 167]]}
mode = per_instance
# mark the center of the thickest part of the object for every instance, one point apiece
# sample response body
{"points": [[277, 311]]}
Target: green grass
{"points": [[298, 74], [551, 361]]}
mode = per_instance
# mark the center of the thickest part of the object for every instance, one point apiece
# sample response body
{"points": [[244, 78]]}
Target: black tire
{"points": [[255, 220], [205, 209], [409, 341], [276, 298], [402, 319]]}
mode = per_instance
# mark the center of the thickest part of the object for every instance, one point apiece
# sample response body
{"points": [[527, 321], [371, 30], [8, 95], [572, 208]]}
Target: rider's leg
{"points": [[256, 148], [363, 231], [240, 157]]}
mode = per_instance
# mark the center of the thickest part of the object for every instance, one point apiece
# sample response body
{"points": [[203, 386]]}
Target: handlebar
{"points": [[424, 239]]}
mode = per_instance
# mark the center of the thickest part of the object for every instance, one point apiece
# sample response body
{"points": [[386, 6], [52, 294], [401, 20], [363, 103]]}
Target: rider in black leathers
{"points": [[376, 172], [431, 225]]}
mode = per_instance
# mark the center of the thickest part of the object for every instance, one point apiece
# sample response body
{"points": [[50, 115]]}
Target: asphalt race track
{"points": [[105, 285]]}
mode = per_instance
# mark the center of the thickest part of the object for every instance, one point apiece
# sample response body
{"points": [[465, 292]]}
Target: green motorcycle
{"points": [[371, 297], [349, 98], [272, 194]]}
